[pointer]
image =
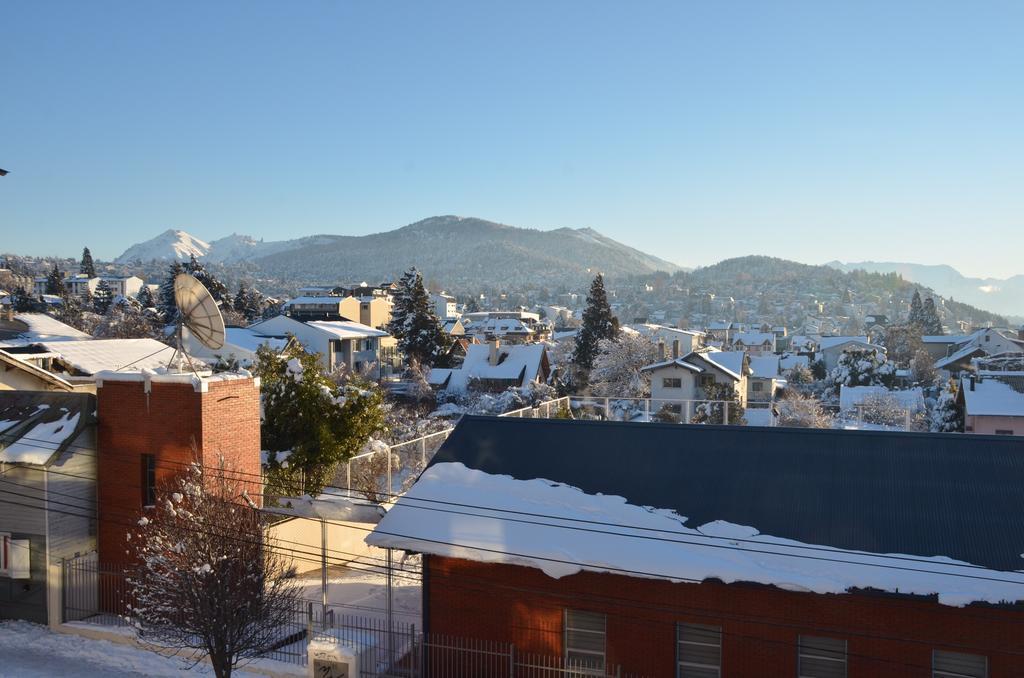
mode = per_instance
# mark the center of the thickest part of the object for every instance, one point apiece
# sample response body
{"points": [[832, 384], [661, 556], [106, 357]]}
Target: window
{"points": [[756, 386], [822, 657], [671, 382], [148, 480], [585, 642], [14, 557], [707, 380], [698, 651], [1003, 432], [958, 665]]}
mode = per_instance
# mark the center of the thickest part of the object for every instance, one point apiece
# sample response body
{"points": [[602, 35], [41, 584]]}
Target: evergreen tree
{"points": [[413, 323], [146, 299], [87, 267], [248, 303], [598, 324], [70, 311], [947, 417], [23, 301], [713, 411], [931, 322], [916, 317], [217, 289], [306, 414], [102, 298], [55, 282], [165, 303]]}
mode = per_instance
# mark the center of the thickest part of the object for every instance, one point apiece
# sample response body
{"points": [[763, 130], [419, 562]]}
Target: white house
{"points": [[677, 382], [754, 343], [831, 348], [339, 342], [663, 334], [123, 285], [444, 306], [763, 380], [494, 367]]}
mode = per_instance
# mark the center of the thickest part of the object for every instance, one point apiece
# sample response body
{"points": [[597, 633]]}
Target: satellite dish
{"points": [[199, 313]]}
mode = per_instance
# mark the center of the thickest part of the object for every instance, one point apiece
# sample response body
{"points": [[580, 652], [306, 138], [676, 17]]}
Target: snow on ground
{"points": [[364, 594], [34, 651], [555, 547]]}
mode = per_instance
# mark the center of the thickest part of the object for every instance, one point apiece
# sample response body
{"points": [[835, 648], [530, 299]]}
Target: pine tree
{"points": [[413, 323], [931, 322], [166, 305], [23, 301], [87, 267], [102, 298], [217, 289], [916, 317], [598, 324], [55, 282], [248, 303], [146, 299]]}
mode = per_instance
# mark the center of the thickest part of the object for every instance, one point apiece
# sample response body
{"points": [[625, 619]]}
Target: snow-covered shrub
{"points": [[712, 411], [616, 371], [946, 416], [861, 367], [208, 582], [799, 410]]}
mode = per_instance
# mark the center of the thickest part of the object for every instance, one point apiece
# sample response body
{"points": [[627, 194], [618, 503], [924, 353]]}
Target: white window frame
{"points": [[681, 665], [941, 673], [602, 656], [818, 656]]}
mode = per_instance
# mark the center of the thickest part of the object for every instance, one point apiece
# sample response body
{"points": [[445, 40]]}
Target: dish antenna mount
{"points": [[198, 312]]}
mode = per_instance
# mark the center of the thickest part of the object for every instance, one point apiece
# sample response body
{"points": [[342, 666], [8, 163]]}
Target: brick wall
{"points": [[222, 421], [887, 636]]}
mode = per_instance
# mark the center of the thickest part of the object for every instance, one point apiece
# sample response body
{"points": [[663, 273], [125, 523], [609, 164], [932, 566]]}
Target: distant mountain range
{"points": [[452, 249], [1001, 296]]}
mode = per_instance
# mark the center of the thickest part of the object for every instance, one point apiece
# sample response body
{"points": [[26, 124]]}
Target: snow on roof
{"points": [[36, 425], [245, 338], [42, 326], [559, 548], [993, 398], [515, 360], [946, 338], [730, 362], [789, 361], [852, 396], [765, 367], [831, 342], [90, 357], [754, 338], [965, 352], [346, 329], [652, 329]]}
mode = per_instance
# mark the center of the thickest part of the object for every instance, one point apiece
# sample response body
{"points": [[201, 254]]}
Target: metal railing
{"points": [[665, 409], [378, 478]]}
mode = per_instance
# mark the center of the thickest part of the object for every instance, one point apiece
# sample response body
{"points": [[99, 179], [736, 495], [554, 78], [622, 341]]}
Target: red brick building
{"points": [[700, 551], [151, 426]]}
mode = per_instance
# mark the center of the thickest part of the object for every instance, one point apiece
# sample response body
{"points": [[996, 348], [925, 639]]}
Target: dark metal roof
{"points": [[22, 411], [919, 494]]}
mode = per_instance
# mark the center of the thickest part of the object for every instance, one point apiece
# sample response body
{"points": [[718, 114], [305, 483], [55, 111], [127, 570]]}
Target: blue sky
{"points": [[693, 130]]}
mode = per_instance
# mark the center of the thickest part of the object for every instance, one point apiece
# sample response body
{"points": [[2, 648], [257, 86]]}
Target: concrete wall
{"points": [[299, 539]]}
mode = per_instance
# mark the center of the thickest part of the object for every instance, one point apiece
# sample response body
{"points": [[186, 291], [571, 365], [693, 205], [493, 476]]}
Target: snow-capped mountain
{"points": [[449, 248], [171, 244]]}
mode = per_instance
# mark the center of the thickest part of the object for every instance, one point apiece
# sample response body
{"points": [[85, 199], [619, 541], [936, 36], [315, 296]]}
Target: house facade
{"points": [[677, 384], [340, 343], [727, 564]]}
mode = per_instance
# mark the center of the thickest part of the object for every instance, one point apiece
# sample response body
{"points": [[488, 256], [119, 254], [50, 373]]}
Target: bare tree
{"points": [[208, 583], [800, 410]]}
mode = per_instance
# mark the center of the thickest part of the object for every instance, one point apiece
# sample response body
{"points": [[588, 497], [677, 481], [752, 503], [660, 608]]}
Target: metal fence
{"points": [[98, 594], [377, 475], [664, 409]]}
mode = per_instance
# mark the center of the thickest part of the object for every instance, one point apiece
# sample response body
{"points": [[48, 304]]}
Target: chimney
{"points": [[661, 350], [675, 349], [493, 357], [973, 380]]}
